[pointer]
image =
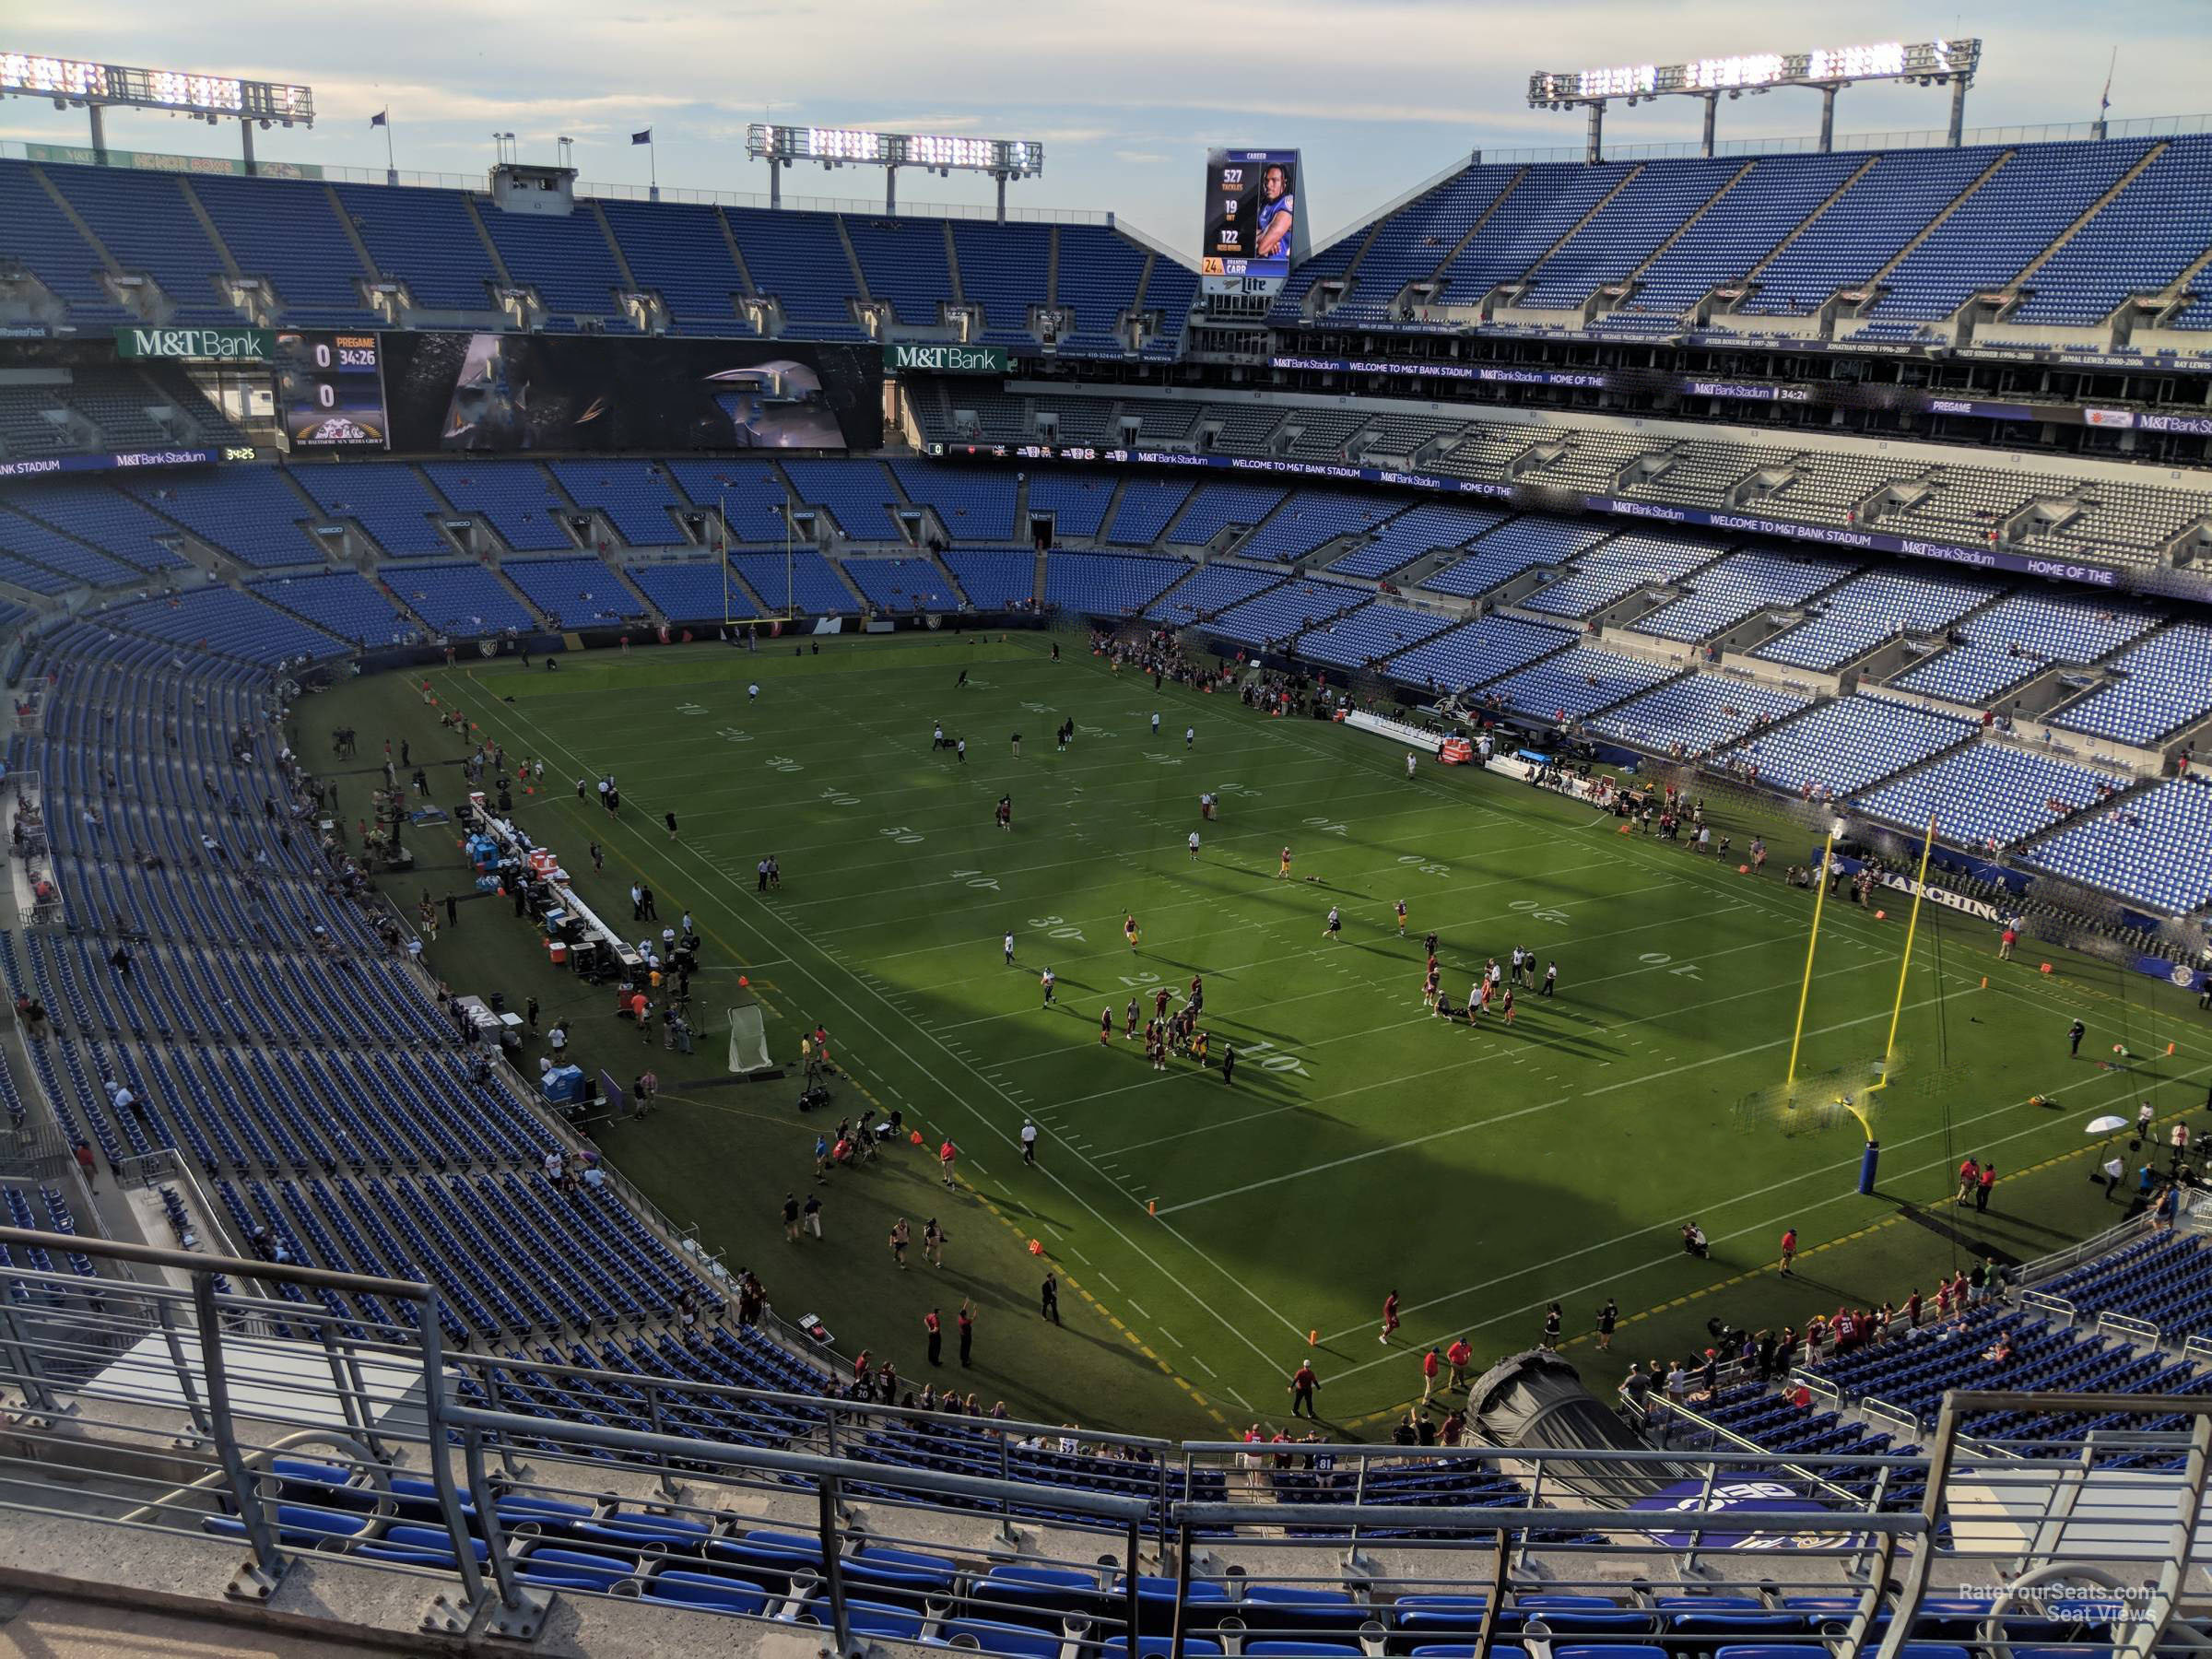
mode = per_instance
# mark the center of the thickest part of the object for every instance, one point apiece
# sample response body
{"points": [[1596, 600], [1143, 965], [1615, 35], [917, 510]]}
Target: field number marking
{"points": [[1424, 866], [1270, 1058], [900, 834], [1534, 910], [976, 879], [838, 797], [732, 734], [1056, 927], [1326, 826], [784, 764]]}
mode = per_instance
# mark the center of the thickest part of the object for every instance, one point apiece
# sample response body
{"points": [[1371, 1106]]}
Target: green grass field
{"points": [[1363, 1143]]}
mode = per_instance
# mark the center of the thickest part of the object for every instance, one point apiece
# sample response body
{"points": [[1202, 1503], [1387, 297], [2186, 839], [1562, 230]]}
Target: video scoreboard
{"points": [[1254, 227], [330, 390]]}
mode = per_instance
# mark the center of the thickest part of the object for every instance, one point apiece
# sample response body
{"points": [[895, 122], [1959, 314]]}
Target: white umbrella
{"points": [[2108, 1125]]}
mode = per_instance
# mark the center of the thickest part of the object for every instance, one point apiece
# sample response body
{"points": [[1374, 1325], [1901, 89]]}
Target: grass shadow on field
{"points": [[1969, 1231]]}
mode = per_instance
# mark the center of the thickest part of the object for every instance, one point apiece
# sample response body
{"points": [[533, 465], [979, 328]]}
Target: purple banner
{"points": [[46, 466], [1823, 393]]}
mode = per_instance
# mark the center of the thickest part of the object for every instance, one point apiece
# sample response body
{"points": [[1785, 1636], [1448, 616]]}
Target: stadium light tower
{"points": [[74, 82], [1003, 159], [1826, 70]]}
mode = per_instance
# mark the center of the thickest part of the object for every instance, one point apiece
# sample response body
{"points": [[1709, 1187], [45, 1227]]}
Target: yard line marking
{"points": [[1136, 1307], [1199, 1360], [1108, 1283], [1101, 918], [1337, 1163]]}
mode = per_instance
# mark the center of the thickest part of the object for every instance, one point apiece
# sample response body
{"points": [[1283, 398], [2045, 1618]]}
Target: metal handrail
{"points": [[452, 1440], [156, 1255]]}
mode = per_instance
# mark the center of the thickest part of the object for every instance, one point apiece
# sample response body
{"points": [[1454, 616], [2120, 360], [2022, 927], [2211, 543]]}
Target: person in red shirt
{"points": [[1460, 1356], [1105, 1026], [1912, 1309], [937, 1336], [1429, 1366], [946, 1155], [1303, 1385], [1988, 1178], [2005, 941], [1969, 1177], [1789, 1252], [1390, 1316]]}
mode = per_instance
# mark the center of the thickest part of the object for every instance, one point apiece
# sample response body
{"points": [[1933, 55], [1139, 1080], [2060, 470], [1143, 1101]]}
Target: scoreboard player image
{"points": [[1278, 213]]}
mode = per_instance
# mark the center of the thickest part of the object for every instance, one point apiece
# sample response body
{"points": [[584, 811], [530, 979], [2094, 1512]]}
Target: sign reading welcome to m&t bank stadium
{"points": [[222, 345], [943, 357]]}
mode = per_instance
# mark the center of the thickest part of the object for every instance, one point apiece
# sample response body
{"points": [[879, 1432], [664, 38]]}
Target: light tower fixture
{"points": [[94, 87], [1001, 159], [1826, 70]]}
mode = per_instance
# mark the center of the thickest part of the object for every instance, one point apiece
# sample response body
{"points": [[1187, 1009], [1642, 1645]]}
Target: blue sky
{"points": [[1378, 95]]}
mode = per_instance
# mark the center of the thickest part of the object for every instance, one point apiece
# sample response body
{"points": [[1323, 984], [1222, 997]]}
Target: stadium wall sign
{"points": [[1926, 351], [41, 467], [221, 345], [1836, 536], [84, 154], [1943, 896], [1761, 1497], [1825, 394], [945, 357]]}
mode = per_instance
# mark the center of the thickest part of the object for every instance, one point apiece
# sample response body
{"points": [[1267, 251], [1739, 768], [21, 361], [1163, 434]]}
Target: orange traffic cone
{"points": [[1035, 1248], [916, 1137], [1152, 1204], [1313, 1338]]}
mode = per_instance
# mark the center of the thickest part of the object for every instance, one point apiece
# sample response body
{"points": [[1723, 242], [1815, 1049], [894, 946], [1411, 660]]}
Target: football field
{"points": [[1210, 1233]]}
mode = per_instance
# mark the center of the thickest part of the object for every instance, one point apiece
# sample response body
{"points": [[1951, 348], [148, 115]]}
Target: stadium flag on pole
{"points": [[379, 119], [643, 137]]}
